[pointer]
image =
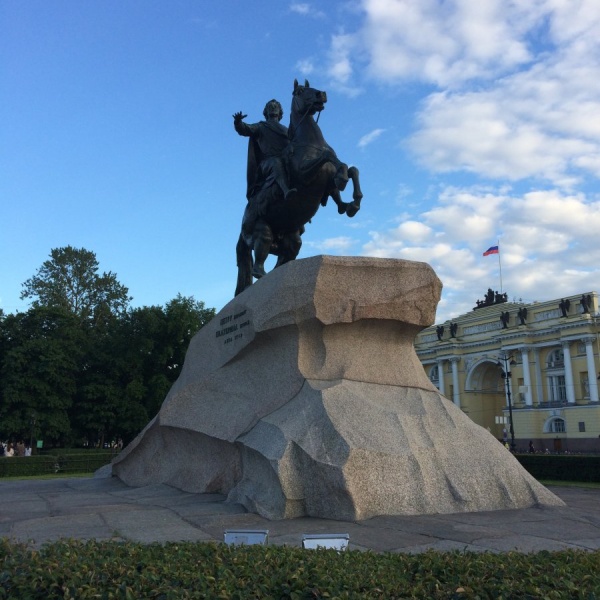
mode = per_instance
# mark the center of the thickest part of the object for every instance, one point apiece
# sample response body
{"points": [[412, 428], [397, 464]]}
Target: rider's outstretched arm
{"points": [[241, 127]]}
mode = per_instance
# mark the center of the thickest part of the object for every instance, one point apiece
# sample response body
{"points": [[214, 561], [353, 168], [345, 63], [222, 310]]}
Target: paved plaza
{"points": [[39, 511]]}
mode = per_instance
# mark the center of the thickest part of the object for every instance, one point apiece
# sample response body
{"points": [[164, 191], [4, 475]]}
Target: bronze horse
{"points": [[273, 225]]}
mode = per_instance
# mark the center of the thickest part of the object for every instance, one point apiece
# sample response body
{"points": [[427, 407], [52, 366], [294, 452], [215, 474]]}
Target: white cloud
{"points": [[573, 21], [444, 42], [518, 80], [548, 244], [538, 123], [305, 66], [340, 66], [337, 244], [307, 10], [516, 98], [370, 137], [300, 8]]}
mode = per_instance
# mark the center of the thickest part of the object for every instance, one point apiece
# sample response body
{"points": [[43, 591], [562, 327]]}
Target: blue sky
{"points": [[471, 121]]}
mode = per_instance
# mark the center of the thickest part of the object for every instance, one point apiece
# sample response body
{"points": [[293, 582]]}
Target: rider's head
{"points": [[273, 109]]}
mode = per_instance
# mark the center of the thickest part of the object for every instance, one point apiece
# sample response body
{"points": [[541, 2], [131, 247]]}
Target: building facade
{"points": [[535, 364]]}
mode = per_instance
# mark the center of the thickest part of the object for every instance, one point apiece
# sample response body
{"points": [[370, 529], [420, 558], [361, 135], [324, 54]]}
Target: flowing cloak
{"points": [[256, 157], [252, 168]]}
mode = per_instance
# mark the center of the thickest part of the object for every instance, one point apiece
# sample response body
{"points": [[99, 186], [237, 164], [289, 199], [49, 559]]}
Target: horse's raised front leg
{"points": [[357, 194], [311, 168], [337, 198]]}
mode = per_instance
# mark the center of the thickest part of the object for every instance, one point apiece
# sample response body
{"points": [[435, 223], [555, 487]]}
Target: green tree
{"points": [[185, 316], [41, 353], [155, 341], [70, 280], [83, 363], [95, 412], [131, 366]]}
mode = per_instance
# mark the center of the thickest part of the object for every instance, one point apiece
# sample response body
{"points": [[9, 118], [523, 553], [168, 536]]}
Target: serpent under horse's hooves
{"points": [[274, 225]]}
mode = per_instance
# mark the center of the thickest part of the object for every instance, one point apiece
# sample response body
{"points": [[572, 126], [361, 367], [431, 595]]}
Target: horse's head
{"points": [[307, 100]]}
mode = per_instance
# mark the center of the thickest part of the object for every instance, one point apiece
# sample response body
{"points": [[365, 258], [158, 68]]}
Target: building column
{"points": [[591, 367], [456, 395], [566, 346], [539, 382], [441, 382], [526, 375]]}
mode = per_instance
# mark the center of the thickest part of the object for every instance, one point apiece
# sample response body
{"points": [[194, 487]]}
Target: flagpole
{"points": [[500, 267]]}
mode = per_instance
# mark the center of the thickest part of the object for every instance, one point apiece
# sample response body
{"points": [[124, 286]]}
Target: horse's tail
{"points": [[244, 263]]}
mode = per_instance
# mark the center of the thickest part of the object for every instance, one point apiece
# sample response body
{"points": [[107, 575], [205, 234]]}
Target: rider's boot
{"points": [[288, 193], [291, 193]]}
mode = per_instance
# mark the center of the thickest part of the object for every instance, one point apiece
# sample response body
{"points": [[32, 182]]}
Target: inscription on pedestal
{"points": [[232, 327]]}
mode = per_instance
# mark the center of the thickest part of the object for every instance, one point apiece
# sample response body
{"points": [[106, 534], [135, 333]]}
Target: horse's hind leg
{"points": [[289, 247], [244, 264], [263, 238], [357, 194]]}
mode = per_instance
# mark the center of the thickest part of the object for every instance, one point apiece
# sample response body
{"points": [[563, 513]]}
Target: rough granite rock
{"points": [[304, 397]]}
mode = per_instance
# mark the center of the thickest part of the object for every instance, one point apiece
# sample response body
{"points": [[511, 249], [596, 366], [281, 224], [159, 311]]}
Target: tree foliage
{"points": [[41, 351], [70, 280], [79, 365]]}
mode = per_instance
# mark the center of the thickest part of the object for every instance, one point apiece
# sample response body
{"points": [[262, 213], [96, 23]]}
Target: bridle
{"points": [[302, 119]]}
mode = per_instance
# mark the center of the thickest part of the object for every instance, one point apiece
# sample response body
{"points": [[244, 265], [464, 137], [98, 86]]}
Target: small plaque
{"points": [[246, 537], [334, 541]]}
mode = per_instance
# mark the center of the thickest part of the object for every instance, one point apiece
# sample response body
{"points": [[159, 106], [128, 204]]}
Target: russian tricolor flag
{"points": [[491, 250]]}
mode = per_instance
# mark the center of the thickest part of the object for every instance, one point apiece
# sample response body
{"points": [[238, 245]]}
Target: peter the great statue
{"points": [[291, 172]]}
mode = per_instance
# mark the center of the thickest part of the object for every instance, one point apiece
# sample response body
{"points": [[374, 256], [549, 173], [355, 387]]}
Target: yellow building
{"points": [[537, 362]]}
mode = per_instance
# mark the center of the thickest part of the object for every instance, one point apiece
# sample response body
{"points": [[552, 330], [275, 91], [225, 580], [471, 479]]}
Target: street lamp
{"points": [[32, 423], [507, 375]]}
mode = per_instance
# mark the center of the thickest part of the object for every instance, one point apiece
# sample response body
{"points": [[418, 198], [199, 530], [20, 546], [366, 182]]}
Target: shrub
{"points": [[562, 467], [73, 569], [47, 464]]}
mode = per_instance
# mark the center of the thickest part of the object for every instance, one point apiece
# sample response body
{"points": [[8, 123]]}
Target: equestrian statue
{"points": [[291, 172]]}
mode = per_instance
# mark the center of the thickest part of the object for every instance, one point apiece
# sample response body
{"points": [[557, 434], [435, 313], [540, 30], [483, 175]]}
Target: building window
{"points": [[585, 385], [434, 374], [556, 425], [557, 390], [581, 426], [556, 359]]}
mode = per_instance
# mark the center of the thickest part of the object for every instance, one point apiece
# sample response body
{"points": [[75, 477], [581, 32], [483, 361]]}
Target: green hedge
{"points": [[47, 464], [79, 450], [81, 570], [562, 467]]}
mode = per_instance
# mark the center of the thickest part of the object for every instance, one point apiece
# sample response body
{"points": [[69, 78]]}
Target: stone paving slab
{"points": [[525, 543], [39, 530], [589, 544], [443, 546], [39, 511], [551, 529], [153, 525]]}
